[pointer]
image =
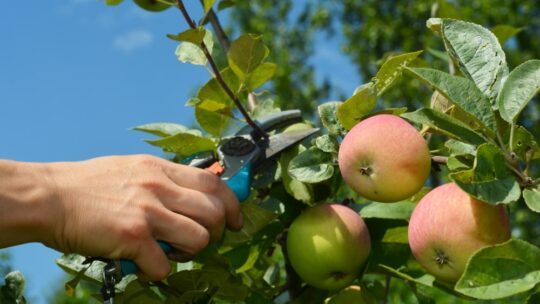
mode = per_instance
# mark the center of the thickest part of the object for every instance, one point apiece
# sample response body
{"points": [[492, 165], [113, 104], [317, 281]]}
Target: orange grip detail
{"points": [[216, 168]]}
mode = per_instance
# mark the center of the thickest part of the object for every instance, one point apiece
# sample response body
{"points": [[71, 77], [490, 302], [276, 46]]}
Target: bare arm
{"points": [[116, 207]]}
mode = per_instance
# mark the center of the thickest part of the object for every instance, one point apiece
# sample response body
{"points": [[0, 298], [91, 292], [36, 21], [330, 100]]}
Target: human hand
{"points": [[118, 206]]}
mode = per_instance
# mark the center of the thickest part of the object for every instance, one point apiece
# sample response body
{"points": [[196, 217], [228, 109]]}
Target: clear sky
{"points": [[75, 75]]}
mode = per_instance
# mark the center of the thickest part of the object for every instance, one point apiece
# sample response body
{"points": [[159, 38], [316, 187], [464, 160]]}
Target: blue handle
{"points": [[240, 184]]}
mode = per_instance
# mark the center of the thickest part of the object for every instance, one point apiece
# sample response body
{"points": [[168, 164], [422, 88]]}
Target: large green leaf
{"points": [[246, 54], [215, 123], [524, 144], [532, 198], [195, 36], [392, 69], [520, 87], [184, 144], [260, 75], [312, 166], [477, 52], [461, 92], [357, 106], [501, 271], [213, 91], [327, 143], [444, 124], [489, 180], [328, 114]]}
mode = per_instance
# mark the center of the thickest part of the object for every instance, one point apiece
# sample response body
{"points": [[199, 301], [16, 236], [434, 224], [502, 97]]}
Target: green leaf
{"points": [[195, 36], [461, 92], [213, 91], [532, 199], [501, 271], [184, 144], [312, 166], [188, 52], [207, 4], [264, 107], [504, 32], [357, 106], [164, 129], [215, 123], [392, 69], [327, 112], [13, 289], [444, 124], [524, 144], [246, 54], [477, 52], [520, 87], [395, 211], [297, 189], [327, 143], [138, 292], [113, 2], [260, 75], [438, 54], [489, 180], [255, 219], [457, 147]]}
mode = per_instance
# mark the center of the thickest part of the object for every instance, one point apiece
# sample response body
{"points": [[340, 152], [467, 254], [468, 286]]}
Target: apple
{"points": [[384, 158], [448, 226], [349, 295], [328, 245]]}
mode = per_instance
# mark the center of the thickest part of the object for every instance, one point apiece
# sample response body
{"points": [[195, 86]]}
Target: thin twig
{"points": [[226, 44], [219, 77], [439, 159], [511, 143]]}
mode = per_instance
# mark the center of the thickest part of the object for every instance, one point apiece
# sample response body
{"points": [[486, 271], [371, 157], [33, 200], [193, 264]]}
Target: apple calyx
{"points": [[338, 275], [366, 171], [441, 258]]}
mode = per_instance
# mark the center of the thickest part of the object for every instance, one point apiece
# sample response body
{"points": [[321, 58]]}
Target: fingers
{"points": [[181, 232], [206, 209], [208, 183], [152, 262]]}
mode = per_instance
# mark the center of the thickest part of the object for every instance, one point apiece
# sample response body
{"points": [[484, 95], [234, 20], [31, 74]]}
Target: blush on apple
{"points": [[328, 245], [448, 226], [384, 158]]}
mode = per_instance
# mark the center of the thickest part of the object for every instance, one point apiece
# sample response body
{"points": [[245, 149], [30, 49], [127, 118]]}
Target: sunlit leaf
{"points": [[246, 54], [260, 75], [501, 271], [207, 4], [195, 36], [184, 144], [312, 166], [391, 70], [461, 92], [357, 106], [477, 52], [444, 124], [328, 115], [255, 219], [489, 180], [188, 52], [520, 87], [164, 129], [532, 198], [297, 189]]}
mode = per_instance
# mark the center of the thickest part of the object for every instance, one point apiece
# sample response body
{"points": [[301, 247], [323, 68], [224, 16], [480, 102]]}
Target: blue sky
{"points": [[75, 75]]}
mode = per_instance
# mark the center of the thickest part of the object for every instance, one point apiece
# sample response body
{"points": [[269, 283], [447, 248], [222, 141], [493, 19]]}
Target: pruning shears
{"points": [[237, 159]]}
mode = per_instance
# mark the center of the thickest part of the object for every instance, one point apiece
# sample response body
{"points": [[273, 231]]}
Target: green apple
{"points": [[384, 158], [328, 245], [448, 226], [349, 295], [152, 5]]}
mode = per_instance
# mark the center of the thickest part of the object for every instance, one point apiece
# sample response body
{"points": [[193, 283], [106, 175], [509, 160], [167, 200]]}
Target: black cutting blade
{"points": [[280, 142]]}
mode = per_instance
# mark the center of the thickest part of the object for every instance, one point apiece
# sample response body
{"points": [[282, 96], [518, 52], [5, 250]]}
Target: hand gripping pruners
{"points": [[238, 157]]}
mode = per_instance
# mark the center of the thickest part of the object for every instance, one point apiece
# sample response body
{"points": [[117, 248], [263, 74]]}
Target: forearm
{"points": [[25, 213]]}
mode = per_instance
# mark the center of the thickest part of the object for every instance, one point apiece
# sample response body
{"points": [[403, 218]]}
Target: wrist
{"points": [[26, 203]]}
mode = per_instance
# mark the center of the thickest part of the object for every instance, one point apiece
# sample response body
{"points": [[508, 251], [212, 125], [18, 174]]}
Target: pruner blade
{"points": [[280, 142]]}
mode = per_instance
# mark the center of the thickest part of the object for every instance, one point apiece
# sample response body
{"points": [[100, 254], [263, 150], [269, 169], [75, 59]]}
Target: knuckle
{"points": [[211, 183], [151, 183], [217, 212], [159, 272], [135, 230]]}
